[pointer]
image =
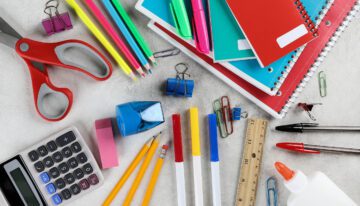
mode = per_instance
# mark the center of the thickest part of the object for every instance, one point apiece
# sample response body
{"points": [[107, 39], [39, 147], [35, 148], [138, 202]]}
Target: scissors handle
{"points": [[51, 102], [64, 53]]}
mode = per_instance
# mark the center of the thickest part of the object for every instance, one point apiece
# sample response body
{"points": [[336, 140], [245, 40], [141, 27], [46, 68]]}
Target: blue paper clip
{"points": [[180, 86], [271, 192]]}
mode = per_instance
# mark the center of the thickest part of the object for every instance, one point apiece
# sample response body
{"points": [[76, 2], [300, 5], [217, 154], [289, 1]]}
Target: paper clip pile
{"points": [[226, 115]]}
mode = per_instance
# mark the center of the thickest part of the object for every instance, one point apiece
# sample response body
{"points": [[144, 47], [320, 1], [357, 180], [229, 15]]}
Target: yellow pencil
{"points": [[128, 172], [155, 175], [141, 172], [100, 36]]}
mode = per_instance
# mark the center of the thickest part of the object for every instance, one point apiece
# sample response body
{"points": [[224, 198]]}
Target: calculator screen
{"points": [[24, 187]]}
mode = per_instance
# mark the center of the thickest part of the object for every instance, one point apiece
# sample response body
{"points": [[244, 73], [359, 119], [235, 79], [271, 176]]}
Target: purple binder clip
{"points": [[56, 22]]}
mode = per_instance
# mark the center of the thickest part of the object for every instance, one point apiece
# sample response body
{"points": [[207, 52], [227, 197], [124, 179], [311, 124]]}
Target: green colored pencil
{"points": [[135, 32]]}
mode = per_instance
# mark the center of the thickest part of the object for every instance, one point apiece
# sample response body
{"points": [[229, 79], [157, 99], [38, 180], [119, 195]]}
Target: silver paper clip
{"points": [[322, 84], [271, 192], [167, 53]]}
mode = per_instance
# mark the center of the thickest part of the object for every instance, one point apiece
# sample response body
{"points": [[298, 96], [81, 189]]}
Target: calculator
{"points": [[55, 171]]}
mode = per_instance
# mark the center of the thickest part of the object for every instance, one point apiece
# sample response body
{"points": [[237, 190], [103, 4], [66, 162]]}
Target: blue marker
{"points": [[214, 158], [126, 33]]}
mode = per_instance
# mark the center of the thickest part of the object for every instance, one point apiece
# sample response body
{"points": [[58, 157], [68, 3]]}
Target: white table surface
{"points": [[21, 127]]}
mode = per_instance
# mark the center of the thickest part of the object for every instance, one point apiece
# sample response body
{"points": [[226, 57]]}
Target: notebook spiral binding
{"points": [[298, 52], [321, 57]]}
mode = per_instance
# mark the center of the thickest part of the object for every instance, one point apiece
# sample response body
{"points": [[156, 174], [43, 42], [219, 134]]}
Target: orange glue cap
{"points": [[287, 173]]}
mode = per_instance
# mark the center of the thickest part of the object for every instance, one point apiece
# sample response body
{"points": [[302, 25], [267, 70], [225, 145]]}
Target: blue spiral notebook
{"points": [[268, 79]]}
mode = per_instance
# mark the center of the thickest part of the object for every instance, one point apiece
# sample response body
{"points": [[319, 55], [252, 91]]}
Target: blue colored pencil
{"points": [[126, 33]]}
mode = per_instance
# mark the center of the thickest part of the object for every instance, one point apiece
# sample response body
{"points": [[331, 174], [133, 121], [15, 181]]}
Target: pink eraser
{"points": [[106, 143]]}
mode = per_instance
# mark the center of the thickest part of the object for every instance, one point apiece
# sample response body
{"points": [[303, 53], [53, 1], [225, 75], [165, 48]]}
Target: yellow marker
{"points": [[100, 36], [141, 172], [195, 144], [128, 172], [155, 175]]}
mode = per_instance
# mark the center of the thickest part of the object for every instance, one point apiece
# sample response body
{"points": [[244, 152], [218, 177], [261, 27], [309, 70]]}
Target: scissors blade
{"points": [[8, 35]]}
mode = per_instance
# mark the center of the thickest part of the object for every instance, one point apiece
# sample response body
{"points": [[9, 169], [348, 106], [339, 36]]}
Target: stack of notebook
{"points": [[266, 50]]}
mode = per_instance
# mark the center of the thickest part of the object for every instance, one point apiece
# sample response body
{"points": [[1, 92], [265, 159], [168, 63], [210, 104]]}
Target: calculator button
{"points": [[72, 162], [63, 167], [81, 158], [33, 155], [87, 168], [54, 172], [65, 139], [93, 179], [84, 184], [57, 157], [60, 183], [66, 152], [75, 189], [56, 199], [69, 178], [39, 166], [66, 194], [78, 173], [45, 178], [51, 146], [75, 147], [51, 189], [42, 151], [48, 162]]}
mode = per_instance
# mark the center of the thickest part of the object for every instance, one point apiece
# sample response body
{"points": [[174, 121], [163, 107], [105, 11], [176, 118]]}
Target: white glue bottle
{"points": [[314, 190]]}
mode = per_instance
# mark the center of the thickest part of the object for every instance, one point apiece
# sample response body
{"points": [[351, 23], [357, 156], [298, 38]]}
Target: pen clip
{"points": [[309, 124], [308, 151]]}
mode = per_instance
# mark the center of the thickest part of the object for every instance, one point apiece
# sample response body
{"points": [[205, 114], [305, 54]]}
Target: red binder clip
{"points": [[56, 22]]}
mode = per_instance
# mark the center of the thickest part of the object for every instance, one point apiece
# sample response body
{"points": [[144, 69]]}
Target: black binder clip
{"points": [[56, 22], [308, 108], [180, 86]]}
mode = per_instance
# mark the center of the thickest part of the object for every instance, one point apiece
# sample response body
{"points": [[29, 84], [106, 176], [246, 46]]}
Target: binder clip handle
{"points": [[180, 74]]}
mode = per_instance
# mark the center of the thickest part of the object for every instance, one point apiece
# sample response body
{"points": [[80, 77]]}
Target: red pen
{"points": [[314, 149]]}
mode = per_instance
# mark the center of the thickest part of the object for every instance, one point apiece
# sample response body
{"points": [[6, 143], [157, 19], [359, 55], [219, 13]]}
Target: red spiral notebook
{"points": [[273, 28], [340, 14]]}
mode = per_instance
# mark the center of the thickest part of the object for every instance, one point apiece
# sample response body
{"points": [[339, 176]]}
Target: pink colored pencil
{"points": [[112, 33]]}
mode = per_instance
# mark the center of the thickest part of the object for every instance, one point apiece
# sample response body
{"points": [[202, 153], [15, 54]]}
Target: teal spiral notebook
{"points": [[229, 43], [268, 79]]}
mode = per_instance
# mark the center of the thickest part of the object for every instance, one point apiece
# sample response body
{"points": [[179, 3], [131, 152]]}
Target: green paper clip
{"points": [[181, 18], [322, 84]]}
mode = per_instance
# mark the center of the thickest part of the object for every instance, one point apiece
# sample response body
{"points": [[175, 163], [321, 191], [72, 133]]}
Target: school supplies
{"points": [[114, 36], [314, 127], [308, 108], [274, 36], [179, 160], [196, 155], [125, 32], [180, 86], [229, 43], [271, 192], [100, 36], [181, 18], [268, 80], [135, 32], [314, 149], [143, 151], [56, 22], [55, 171], [339, 14], [201, 35], [322, 84], [251, 162], [315, 189], [141, 172], [155, 175], [39, 55], [167, 53], [106, 143], [214, 159], [135, 117]]}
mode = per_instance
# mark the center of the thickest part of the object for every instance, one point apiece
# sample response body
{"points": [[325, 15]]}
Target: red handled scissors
{"points": [[38, 55]]}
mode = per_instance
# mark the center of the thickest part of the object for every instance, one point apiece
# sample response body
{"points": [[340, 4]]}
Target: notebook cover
{"points": [[306, 65], [273, 28], [267, 79], [229, 43]]}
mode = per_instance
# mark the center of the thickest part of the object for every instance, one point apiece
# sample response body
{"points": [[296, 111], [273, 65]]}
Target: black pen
{"points": [[313, 127]]}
